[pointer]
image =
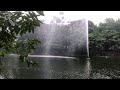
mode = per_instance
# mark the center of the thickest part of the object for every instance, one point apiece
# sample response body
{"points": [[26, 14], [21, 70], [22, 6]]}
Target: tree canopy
{"points": [[15, 24], [105, 38]]}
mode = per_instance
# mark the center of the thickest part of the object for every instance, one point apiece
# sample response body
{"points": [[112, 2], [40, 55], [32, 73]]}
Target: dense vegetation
{"points": [[104, 39], [14, 25]]}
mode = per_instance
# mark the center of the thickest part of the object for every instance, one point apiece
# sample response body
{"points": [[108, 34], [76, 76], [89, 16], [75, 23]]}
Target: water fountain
{"points": [[60, 39]]}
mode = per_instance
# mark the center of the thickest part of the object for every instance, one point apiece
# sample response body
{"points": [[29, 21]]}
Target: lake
{"points": [[61, 68]]}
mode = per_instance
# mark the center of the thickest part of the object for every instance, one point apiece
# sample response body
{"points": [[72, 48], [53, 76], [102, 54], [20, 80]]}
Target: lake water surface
{"points": [[62, 68]]}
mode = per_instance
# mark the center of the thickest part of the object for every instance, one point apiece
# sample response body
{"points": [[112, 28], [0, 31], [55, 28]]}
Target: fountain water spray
{"points": [[87, 33], [61, 38]]}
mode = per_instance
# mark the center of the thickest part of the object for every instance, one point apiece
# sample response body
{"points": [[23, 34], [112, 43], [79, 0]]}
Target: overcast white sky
{"points": [[95, 16]]}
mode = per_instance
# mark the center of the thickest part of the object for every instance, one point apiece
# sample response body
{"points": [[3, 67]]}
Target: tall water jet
{"points": [[50, 39], [87, 33]]}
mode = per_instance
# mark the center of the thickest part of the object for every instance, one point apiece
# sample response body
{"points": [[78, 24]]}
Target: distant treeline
{"points": [[104, 39]]}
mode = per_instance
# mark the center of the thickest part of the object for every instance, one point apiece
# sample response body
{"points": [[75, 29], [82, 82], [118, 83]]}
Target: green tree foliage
{"points": [[92, 27], [105, 39], [15, 24]]}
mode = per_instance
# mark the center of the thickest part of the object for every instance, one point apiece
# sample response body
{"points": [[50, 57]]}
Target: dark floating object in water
{"points": [[87, 58]]}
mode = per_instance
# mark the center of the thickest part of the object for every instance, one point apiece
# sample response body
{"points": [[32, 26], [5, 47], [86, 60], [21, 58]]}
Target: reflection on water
{"points": [[87, 68], [62, 68]]}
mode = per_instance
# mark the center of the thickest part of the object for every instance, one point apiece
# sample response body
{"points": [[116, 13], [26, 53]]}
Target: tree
{"points": [[15, 24], [91, 26], [105, 38], [109, 20]]}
